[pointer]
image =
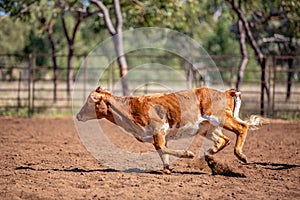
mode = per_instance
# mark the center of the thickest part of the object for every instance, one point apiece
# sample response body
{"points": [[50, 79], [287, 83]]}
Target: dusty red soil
{"points": [[43, 158]]}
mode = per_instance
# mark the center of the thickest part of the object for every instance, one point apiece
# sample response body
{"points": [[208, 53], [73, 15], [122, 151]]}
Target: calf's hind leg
{"points": [[220, 140], [240, 128], [215, 134]]}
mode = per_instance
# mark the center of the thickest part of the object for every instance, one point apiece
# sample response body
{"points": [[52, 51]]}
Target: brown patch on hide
{"points": [[171, 105], [203, 96], [138, 109]]}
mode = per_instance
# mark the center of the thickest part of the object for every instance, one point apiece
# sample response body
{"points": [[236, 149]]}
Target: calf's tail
{"points": [[255, 121]]}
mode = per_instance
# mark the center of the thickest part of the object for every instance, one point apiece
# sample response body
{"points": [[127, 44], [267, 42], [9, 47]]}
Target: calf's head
{"points": [[94, 107]]}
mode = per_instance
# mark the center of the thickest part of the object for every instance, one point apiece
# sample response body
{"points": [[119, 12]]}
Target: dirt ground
{"points": [[43, 158]]}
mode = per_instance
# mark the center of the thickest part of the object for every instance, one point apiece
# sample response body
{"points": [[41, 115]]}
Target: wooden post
{"points": [[274, 82], [190, 75], [33, 61], [110, 76], [29, 86], [19, 91], [113, 74], [85, 77]]}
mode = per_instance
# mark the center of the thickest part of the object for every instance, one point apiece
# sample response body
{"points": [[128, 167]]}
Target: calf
{"points": [[156, 118]]}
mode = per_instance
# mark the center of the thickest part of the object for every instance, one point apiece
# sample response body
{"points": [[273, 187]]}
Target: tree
{"points": [[30, 11], [116, 33], [260, 27], [259, 55], [280, 25], [178, 15], [70, 37], [47, 14], [244, 53], [48, 22], [79, 12]]}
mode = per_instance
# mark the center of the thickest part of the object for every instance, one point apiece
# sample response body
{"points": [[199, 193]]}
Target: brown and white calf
{"points": [[156, 118]]}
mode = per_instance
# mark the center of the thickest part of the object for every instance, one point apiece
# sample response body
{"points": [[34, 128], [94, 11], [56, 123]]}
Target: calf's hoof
{"points": [[189, 154], [168, 170], [242, 157]]}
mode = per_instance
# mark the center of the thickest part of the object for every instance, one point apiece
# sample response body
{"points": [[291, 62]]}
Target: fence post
{"points": [[85, 77], [33, 62], [269, 68], [110, 71], [113, 74], [189, 74], [274, 82], [19, 92], [29, 85]]}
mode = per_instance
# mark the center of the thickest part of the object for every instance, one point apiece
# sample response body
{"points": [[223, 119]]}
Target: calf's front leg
{"points": [[164, 152]]}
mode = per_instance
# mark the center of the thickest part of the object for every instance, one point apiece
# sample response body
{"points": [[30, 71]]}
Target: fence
{"points": [[27, 88]]}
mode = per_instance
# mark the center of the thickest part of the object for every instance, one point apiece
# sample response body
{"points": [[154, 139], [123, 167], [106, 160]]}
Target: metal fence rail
{"points": [[27, 88]]}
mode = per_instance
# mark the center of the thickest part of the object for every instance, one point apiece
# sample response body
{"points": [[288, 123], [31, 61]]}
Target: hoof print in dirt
{"points": [[218, 168]]}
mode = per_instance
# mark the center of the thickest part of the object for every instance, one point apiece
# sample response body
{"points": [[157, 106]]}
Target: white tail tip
{"points": [[255, 121]]}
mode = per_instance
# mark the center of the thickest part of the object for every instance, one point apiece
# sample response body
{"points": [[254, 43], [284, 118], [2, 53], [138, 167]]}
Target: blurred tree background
{"points": [[69, 27]]}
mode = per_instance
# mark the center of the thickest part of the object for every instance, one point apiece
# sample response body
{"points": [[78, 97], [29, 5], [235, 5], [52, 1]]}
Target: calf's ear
{"points": [[99, 89], [96, 97]]}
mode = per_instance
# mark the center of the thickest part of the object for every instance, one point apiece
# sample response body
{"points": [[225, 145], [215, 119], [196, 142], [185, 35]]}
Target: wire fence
{"points": [[27, 87]]}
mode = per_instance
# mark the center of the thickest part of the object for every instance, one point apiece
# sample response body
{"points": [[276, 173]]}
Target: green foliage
{"points": [[222, 41], [38, 45], [13, 34], [178, 15], [275, 25], [212, 23]]}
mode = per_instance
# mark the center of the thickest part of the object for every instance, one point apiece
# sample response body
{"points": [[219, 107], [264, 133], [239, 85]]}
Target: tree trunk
{"points": [[263, 86], [259, 55], [244, 60], [123, 69], [53, 57], [70, 41], [116, 32], [70, 71], [119, 45]]}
